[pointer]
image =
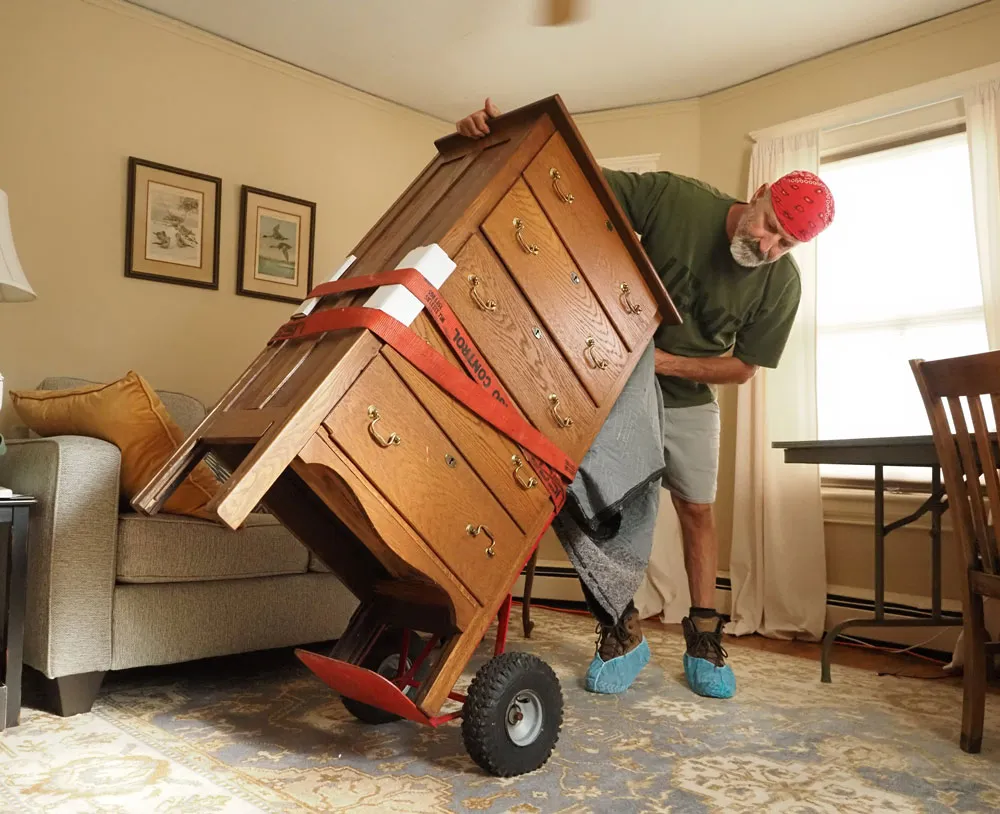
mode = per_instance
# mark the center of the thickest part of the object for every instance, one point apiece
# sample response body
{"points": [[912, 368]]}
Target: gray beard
{"points": [[746, 251]]}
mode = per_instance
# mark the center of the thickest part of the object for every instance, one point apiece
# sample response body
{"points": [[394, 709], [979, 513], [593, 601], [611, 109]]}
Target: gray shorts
{"points": [[691, 450]]}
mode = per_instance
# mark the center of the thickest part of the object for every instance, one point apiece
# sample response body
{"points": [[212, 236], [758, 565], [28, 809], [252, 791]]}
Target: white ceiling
{"points": [[443, 56]]}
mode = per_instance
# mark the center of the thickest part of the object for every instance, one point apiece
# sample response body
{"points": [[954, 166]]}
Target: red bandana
{"points": [[802, 203]]}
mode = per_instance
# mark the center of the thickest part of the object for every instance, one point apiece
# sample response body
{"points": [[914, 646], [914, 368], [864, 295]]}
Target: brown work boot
{"points": [[617, 640]]}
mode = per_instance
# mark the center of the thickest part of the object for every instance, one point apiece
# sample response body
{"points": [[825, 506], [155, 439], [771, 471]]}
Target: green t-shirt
{"points": [[726, 307]]}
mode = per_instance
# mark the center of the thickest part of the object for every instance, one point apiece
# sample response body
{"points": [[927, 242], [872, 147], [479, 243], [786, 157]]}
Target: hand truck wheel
{"points": [[383, 659], [513, 714]]}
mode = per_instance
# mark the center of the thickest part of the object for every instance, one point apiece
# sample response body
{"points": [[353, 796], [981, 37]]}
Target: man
{"points": [[726, 266]]}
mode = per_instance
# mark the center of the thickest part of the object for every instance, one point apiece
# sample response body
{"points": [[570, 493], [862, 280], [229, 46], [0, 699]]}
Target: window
{"points": [[897, 278]]}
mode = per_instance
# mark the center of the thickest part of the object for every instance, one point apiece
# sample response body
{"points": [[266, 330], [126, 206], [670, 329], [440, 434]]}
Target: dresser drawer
{"points": [[538, 261], [496, 459], [389, 436], [569, 201], [518, 347]]}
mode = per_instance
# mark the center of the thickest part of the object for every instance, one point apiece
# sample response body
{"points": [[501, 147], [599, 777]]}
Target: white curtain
{"points": [[982, 123], [664, 591], [778, 561], [982, 127]]}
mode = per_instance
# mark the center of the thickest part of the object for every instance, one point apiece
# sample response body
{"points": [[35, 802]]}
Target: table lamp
{"points": [[14, 286]]}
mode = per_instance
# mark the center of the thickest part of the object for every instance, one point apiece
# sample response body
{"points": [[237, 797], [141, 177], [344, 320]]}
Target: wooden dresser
{"points": [[426, 511]]}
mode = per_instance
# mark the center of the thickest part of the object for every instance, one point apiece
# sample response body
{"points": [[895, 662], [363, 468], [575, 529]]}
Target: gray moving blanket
{"points": [[606, 526]]}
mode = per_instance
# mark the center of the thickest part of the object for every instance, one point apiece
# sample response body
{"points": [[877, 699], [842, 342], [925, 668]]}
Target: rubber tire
{"points": [[387, 645], [484, 727]]}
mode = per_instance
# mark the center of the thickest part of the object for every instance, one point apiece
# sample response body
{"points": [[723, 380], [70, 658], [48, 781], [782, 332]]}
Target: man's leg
{"points": [[691, 446], [701, 549]]}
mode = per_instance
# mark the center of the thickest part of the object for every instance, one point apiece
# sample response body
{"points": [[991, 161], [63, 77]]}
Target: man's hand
{"points": [[709, 370], [474, 125]]}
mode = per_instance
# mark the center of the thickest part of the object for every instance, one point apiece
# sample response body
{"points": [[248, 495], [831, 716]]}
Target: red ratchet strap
{"points": [[483, 393]]}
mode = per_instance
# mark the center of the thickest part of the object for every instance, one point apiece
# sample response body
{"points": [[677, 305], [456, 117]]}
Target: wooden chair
{"points": [[954, 388]]}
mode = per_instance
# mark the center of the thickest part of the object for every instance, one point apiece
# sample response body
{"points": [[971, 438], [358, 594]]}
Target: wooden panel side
{"points": [[404, 199], [395, 239], [150, 499], [276, 450]]}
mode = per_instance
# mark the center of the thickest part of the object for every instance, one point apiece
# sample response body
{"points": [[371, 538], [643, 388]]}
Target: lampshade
{"points": [[14, 286]]}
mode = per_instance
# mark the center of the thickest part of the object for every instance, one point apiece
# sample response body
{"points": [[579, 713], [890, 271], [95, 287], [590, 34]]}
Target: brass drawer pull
{"points": [[565, 197], [529, 248], [554, 406], [393, 438], [488, 305], [600, 364], [474, 531], [630, 308], [530, 483]]}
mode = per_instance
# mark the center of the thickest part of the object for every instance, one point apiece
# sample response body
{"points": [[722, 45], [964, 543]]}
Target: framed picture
{"points": [[172, 225], [277, 234]]}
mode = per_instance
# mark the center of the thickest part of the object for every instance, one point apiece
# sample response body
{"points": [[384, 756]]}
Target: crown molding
{"points": [[649, 111]]}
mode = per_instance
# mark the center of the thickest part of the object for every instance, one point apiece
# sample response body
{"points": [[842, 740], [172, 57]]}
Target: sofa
{"points": [[110, 589]]}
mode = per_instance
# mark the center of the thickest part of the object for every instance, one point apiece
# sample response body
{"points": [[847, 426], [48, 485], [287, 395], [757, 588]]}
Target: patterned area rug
{"points": [[256, 734]]}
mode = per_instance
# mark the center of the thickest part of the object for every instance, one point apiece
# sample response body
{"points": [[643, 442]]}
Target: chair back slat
{"points": [[988, 466], [949, 388], [970, 470]]}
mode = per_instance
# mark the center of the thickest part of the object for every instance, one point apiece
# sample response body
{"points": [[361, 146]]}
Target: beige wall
{"points": [[84, 84], [672, 130]]}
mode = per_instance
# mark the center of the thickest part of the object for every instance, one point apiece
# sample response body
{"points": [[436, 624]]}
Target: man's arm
{"points": [[708, 370]]}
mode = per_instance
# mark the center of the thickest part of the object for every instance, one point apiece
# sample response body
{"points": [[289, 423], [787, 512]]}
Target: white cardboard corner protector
{"points": [[307, 306], [435, 266]]}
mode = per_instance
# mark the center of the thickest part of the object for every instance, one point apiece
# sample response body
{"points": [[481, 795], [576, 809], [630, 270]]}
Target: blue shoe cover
{"points": [[617, 675], [704, 678]]}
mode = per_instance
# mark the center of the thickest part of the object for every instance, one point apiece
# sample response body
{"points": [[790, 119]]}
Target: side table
{"points": [[14, 514]]}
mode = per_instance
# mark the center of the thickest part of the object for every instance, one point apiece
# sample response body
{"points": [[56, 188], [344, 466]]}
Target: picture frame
{"points": [[172, 224], [277, 239]]}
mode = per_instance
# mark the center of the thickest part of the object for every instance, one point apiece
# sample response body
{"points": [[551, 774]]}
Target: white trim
{"points": [[648, 111], [887, 104]]}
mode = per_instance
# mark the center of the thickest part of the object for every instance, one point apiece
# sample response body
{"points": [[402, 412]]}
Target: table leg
{"points": [[937, 506], [936, 511], [879, 543], [17, 578]]}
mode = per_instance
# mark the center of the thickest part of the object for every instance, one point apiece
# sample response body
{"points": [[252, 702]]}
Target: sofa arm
{"points": [[72, 548]]}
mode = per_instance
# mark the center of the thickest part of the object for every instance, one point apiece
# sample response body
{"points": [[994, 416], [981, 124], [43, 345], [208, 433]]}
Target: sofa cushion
{"points": [[167, 548], [130, 415]]}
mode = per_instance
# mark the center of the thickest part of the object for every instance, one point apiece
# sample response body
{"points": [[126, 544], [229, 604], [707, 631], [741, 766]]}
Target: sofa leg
{"points": [[70, 695]]}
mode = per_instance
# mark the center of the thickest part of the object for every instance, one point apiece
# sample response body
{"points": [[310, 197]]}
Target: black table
{"points": [[14, 514], [914, 450]]}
